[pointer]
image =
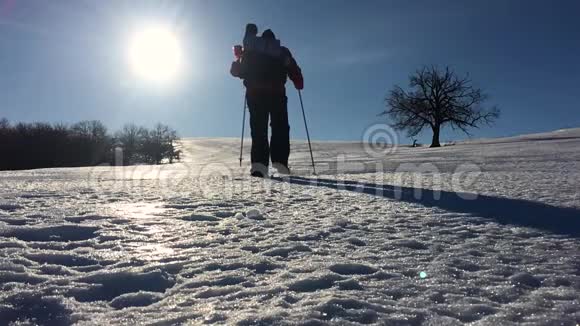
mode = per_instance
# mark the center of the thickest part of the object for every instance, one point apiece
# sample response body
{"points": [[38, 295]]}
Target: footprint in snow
{"points": [[255, 214], [315, 283], [200, 218], [411, 244], [285, 251], [62, 233], [137, 299], [224, 214], [356, 242], [352, 269], [10, 207], [524, 279]]}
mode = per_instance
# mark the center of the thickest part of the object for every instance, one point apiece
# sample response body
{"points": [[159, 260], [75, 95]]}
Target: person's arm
{"points": [[293, 70]]}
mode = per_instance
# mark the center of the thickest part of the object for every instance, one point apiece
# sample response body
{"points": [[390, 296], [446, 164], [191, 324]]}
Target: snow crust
{"points": [[484, 232]]}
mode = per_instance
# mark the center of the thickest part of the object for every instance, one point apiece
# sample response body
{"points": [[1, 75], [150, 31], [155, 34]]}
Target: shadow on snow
{"points": [[558, 220]]}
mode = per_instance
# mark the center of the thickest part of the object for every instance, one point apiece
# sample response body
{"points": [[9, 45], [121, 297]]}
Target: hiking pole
{"points": [[243, 129], [307, 133], [238, 53]]}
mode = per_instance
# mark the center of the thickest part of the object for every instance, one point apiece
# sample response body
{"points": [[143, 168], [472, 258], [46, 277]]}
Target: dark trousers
{"points": [[273, 107]]}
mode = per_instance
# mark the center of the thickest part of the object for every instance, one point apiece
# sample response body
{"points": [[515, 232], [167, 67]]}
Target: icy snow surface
{"points": [[484, 232]]}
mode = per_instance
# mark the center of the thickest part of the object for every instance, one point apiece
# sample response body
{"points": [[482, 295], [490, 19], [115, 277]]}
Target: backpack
{"points": [[264, 60], [267, 46]]}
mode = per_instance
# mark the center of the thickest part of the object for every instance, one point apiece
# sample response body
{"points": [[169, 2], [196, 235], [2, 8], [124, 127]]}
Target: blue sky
{"points": [[65, 61]]}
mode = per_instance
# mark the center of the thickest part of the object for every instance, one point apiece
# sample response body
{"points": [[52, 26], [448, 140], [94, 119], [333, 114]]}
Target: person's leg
{"points": [[280, 142], [259, 130]]}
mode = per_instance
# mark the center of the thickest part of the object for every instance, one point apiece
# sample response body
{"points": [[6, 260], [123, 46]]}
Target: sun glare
{"points": [[155, 54]]}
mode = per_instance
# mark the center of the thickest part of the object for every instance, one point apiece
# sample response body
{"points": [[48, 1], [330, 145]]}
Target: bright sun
{"points": [[155, 54]]}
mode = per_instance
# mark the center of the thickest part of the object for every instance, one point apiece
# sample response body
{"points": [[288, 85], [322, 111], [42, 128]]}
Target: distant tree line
{"points": [[87, 143]]}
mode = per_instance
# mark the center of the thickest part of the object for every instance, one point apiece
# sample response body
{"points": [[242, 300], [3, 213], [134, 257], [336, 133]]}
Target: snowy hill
{"points": [[485, 231]]}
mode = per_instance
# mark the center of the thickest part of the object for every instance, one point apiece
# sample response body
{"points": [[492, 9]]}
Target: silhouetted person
{"points": [[264, 67]]}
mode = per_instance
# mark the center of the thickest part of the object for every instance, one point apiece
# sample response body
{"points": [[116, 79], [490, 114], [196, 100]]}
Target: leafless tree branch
{"points": [[438, 97]]}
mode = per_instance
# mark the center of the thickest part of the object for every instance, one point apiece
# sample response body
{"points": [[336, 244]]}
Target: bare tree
{"points": [[91, 129], [4, 123], [131, 138], [158, 144], [437, 98]]}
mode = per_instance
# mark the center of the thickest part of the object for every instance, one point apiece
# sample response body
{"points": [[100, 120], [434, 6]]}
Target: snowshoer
{"points": [[264, 66]]}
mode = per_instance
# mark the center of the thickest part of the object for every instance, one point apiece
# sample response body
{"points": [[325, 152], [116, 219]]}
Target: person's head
{"points": [[268, 34], [251, 29]]}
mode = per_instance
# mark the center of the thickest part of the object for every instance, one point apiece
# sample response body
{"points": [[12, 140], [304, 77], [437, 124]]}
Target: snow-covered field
{"points": [[484, 232]]}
